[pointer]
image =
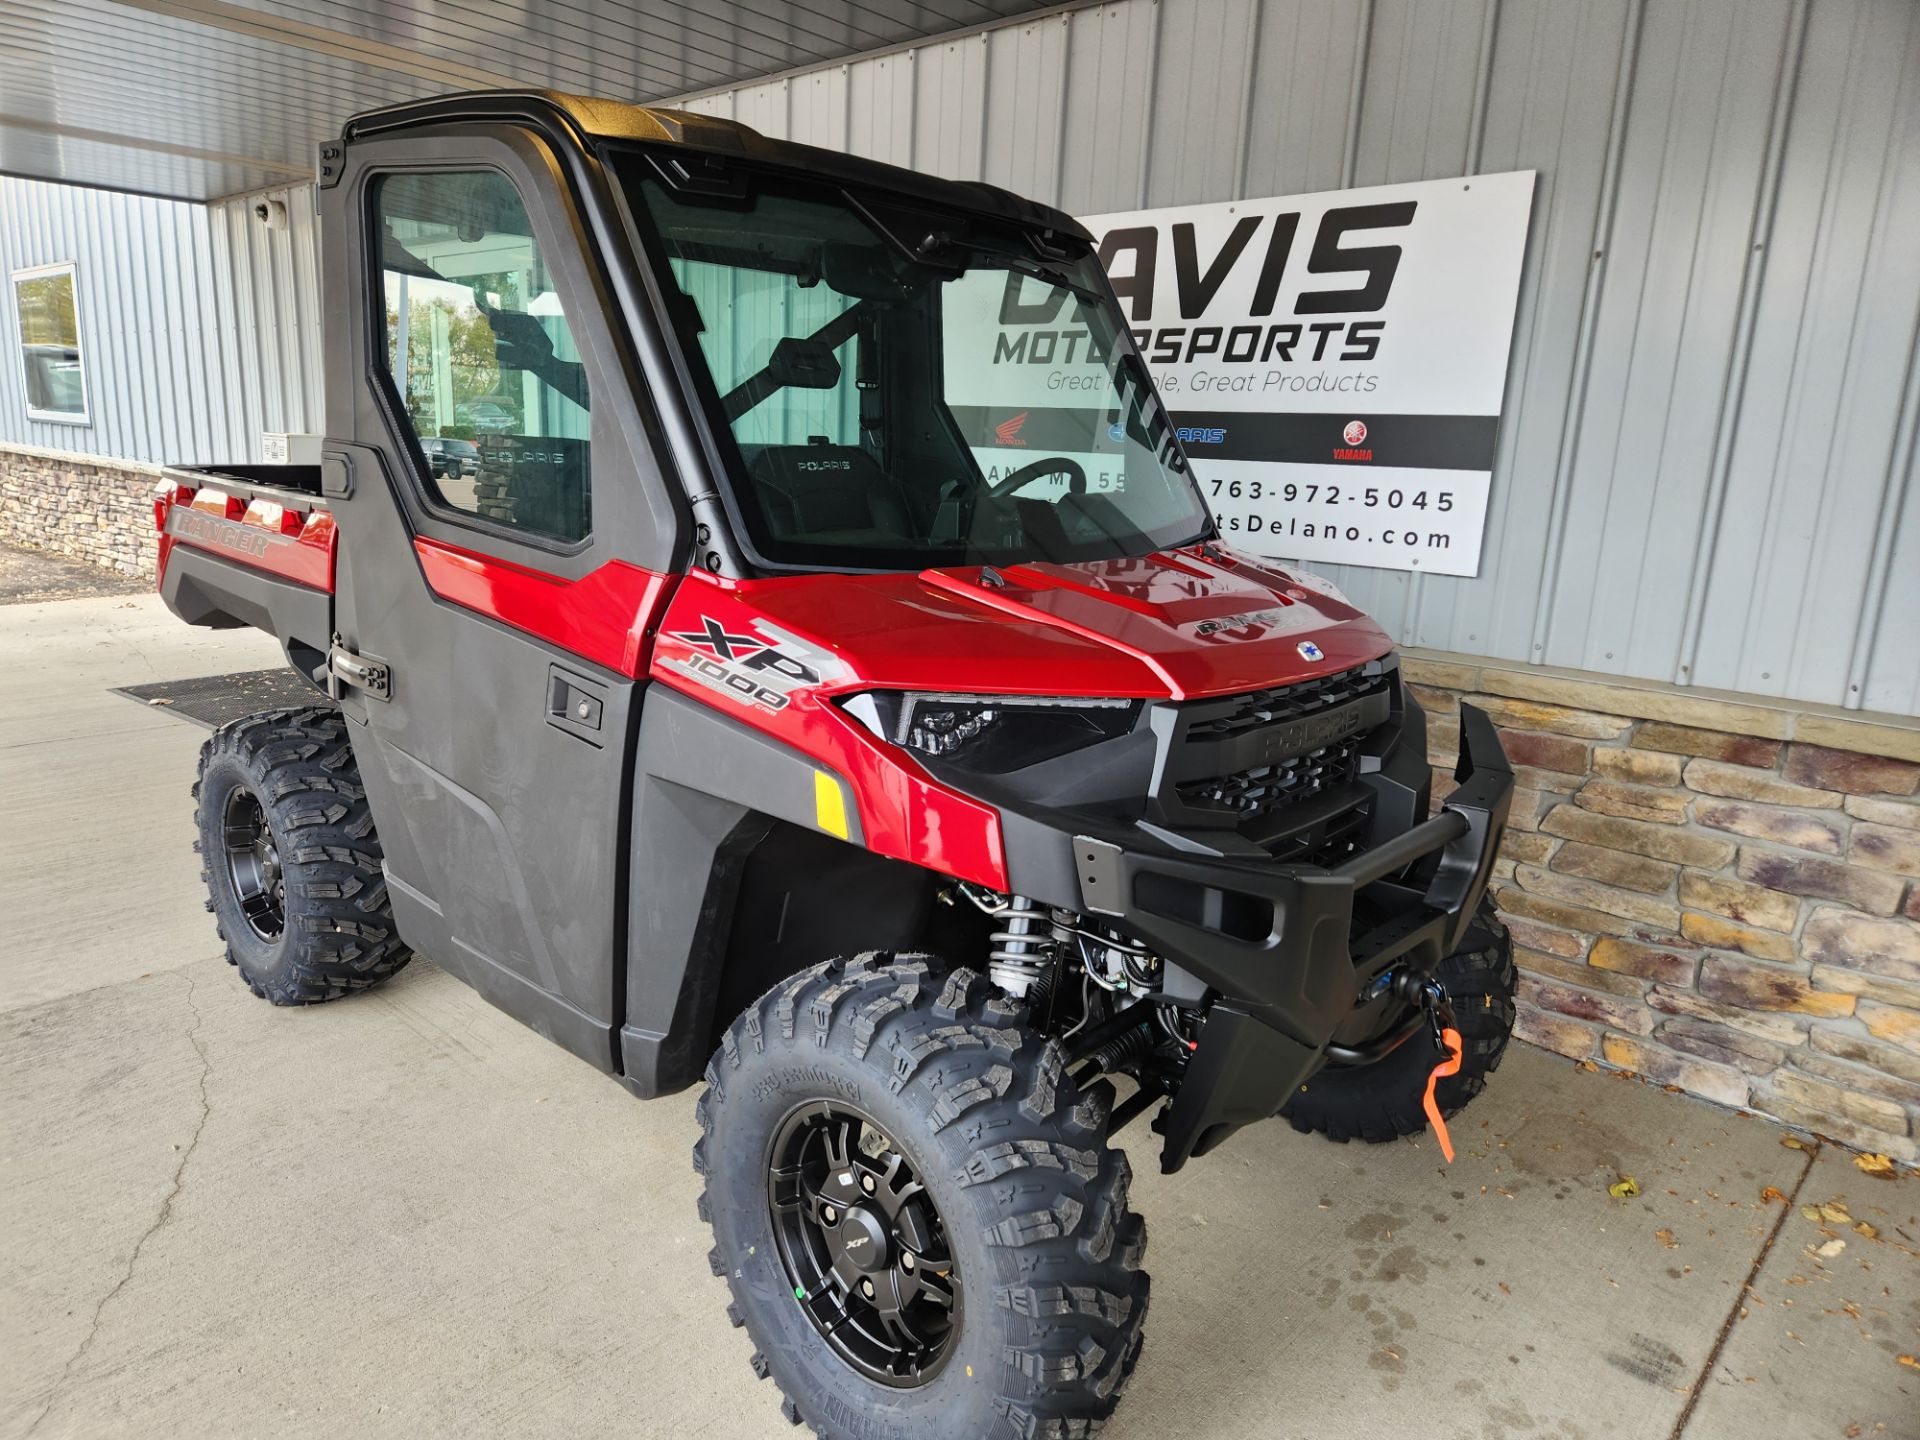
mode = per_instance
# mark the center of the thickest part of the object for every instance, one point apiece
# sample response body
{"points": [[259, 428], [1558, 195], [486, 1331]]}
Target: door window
{"points": [[476, 342]]}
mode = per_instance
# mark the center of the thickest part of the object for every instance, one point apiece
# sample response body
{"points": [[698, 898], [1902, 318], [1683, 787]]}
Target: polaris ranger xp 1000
{"points": [[822, 679]]}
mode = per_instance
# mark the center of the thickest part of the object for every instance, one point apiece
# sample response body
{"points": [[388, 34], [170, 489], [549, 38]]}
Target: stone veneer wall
{"points": [[97, 510], [1719, 896]]}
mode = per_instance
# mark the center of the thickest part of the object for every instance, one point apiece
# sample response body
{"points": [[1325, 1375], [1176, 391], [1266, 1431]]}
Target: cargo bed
{"points": [[250, 545]]}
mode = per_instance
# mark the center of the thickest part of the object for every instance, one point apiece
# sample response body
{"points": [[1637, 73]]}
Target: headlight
{"points": [[991, 733]]}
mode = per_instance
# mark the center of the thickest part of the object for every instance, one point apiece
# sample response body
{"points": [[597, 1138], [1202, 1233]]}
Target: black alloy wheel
{"points": [[863, 1244], [916, 1210], [253, 865]]}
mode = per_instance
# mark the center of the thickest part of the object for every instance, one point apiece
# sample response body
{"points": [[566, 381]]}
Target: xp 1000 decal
{"points": [[756, 664]]}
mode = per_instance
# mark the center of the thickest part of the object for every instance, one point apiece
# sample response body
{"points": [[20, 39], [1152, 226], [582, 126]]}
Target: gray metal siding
{"points": [[199, 326], [197, 100], [1705, 470]]}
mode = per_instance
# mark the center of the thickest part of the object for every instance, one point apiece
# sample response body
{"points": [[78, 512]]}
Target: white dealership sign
{"points": [[1335, 362]]}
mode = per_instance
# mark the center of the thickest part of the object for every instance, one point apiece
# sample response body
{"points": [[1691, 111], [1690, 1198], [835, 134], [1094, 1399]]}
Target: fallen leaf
{"points": [[1793, 1142], [1910, 1362], [1866, 1231], [159, 702], [1625, 1188], [1872, 1164], [1585, 1065], [1769, 1195], [1829, 1250], [1665, 1237], [1834, 1212], [1810, 1212]]}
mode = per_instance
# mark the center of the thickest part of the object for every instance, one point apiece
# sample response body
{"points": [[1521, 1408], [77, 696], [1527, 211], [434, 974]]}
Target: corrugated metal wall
{"points": [[1705, 472], [199, 325], [1706, 468]]}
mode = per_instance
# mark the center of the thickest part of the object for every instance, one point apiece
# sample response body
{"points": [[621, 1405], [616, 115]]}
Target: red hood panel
{"points": [[1179, 624]]}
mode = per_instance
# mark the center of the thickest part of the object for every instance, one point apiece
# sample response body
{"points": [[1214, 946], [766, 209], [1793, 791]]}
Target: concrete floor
{"points": [[405, 1215]]}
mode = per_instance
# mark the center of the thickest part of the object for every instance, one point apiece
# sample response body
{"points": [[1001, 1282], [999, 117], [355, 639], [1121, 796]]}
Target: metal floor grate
{"points": [[213, 700]]}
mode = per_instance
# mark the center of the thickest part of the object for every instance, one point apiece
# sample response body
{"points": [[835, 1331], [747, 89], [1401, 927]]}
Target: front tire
{"points": [[899, 1085], [1382, 1101], [290, 858]]}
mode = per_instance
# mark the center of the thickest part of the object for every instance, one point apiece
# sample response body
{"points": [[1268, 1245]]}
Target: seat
{"points": [[827, 492]]}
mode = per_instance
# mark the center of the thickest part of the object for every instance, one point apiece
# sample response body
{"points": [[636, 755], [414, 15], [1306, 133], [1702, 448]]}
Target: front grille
{"points": [[1281, 765], [1289, 702], [1264, 790]]}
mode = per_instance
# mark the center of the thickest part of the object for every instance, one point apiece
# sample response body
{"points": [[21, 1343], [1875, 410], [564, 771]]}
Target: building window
{"points": [[49, 315]]}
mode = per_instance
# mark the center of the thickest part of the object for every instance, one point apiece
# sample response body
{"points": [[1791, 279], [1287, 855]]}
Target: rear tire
{"points": [[1382, 1101], [1028, 1207], [290, 858]]}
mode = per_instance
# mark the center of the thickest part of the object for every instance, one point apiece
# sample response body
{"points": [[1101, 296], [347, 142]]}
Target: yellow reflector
{"points": [[829, 805]]}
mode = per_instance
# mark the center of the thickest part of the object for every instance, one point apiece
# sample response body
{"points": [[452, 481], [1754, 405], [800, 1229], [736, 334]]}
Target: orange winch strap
{"points": [[1449, 1066]]}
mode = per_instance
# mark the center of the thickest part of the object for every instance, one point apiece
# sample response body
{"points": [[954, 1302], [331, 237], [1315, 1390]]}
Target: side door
{"points": [[508, 542]]}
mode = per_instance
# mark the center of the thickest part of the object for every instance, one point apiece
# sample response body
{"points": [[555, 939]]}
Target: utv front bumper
{"points": [[1286, 949]]}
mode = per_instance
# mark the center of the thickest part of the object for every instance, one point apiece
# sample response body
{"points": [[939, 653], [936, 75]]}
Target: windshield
{"points": [[898, 388]]}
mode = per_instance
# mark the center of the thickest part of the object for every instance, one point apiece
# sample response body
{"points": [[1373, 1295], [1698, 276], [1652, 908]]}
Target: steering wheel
{"points": [[1032, 471]]}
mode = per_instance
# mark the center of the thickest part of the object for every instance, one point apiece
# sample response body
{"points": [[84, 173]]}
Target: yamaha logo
{"points": [[1310, 651], [1355, 433]]}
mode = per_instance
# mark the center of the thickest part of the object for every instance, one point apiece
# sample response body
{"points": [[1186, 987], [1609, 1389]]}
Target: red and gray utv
{"points": [[765, 635]]}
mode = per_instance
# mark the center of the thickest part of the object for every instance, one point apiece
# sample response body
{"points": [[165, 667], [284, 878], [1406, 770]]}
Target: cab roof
{"points": [[593, 121]]}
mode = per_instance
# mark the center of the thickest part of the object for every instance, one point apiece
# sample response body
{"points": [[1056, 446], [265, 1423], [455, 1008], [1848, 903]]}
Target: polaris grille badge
{"points": [[1310, 651]]}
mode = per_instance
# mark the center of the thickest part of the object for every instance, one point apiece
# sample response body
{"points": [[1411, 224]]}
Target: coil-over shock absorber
{"points": [[1020, 948], [1025, 940]]}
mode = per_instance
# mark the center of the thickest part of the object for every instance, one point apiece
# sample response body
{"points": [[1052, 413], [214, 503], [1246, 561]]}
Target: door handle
{"points": [[575, 704]]}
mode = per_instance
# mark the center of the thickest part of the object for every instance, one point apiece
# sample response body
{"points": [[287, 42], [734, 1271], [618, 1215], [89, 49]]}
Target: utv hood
{"points": [[1176, 624]]}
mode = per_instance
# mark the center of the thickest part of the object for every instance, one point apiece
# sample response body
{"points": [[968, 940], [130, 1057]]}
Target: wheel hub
{"points": [[253, 865], [863, 1245], [864, 1241]]}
